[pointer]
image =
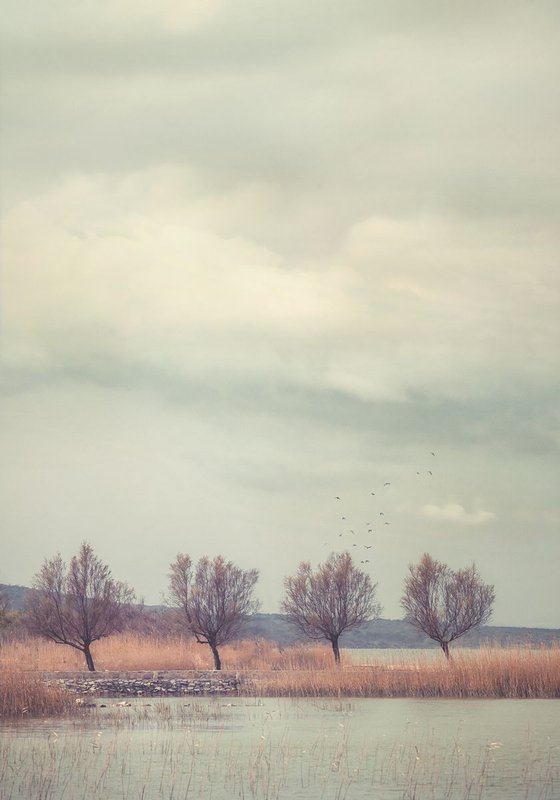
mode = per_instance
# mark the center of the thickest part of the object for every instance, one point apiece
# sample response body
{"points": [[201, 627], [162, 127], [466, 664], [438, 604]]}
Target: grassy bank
{"points": [[26, 694], [128, 652], [301, 671], [485, 673]]}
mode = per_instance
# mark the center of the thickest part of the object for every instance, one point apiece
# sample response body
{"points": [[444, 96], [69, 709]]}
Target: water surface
{"points": [[217, 748]]}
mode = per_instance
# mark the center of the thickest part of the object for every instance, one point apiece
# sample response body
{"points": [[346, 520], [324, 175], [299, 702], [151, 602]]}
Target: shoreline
{"points": [[365, 681]]}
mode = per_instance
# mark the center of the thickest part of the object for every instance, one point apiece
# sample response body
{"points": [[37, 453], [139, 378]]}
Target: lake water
{"points": [[390, 655], [218, 749]]}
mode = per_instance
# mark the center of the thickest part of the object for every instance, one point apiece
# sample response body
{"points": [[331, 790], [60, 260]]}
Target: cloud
{"points": [[454, 512], [356, 237], [155, 270], [380, 109], [288, 247]]}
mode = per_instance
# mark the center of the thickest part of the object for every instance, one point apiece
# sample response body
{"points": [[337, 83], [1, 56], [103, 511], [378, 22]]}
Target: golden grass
{"points": [[488, 672], [133, 651], [26, 694], [309, 671]]}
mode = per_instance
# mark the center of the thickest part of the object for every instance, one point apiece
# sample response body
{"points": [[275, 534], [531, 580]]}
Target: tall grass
{"points": [[26, 694], [267, 669], [133, 651], [488, 672]]}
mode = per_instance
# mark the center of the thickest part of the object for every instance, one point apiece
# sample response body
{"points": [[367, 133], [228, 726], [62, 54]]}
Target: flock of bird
{"points": [[376, 518]]}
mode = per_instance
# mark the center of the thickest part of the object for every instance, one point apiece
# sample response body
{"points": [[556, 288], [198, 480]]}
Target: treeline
{"points": [[161, 622], [79, 603]]}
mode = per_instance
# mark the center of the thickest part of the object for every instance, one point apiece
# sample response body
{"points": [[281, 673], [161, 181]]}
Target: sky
{"points": [[256, 257]]}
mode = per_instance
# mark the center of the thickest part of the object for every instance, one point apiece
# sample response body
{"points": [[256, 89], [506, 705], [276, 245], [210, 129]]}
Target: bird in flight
{"points": [[387, 484], [381, 513], [430, 472], [368, 546], [432, 453], [337, 498]]}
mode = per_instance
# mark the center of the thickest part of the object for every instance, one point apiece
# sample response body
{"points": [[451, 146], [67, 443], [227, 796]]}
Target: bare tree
{"points": [[6, 615], [216, 598], [77, 604], [335, 598], [443, 603]]}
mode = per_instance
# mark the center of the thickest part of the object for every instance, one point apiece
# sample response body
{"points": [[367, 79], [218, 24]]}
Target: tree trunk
{"points": [[445, 648], [336, 651], [89, 658], [217, 662]]}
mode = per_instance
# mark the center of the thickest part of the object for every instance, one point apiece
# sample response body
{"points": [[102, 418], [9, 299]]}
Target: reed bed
{"points": [[298, 671], [26, 694], [132, 651], [484, 673]]}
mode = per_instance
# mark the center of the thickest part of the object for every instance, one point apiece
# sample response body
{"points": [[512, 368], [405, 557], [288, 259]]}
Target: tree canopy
{"points": [[77, 604], [334, 598], [215, 597], [443, 603]]}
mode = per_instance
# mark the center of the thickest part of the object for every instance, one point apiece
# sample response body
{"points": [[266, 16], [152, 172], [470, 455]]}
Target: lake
{"points": [[392, 655], [344, 749]]}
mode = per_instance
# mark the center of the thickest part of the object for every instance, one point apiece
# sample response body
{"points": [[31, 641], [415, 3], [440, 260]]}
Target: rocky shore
{"points": [[146, 684]]}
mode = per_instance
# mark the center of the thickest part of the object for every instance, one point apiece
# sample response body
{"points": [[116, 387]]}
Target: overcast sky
{"points": [[260, 255]]}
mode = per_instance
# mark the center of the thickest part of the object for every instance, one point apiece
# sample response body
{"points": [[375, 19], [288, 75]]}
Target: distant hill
{"points": [[381, 633], [398, 633], [16, 595]]}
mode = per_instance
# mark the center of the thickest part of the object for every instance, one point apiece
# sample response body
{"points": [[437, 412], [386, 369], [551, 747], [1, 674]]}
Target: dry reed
{"points": [[133, 651], [26, 694], [308, 670], [485, 673]]}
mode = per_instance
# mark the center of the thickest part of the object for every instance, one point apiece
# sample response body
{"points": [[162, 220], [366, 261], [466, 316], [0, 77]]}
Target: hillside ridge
{"points": [[379, 633]]}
